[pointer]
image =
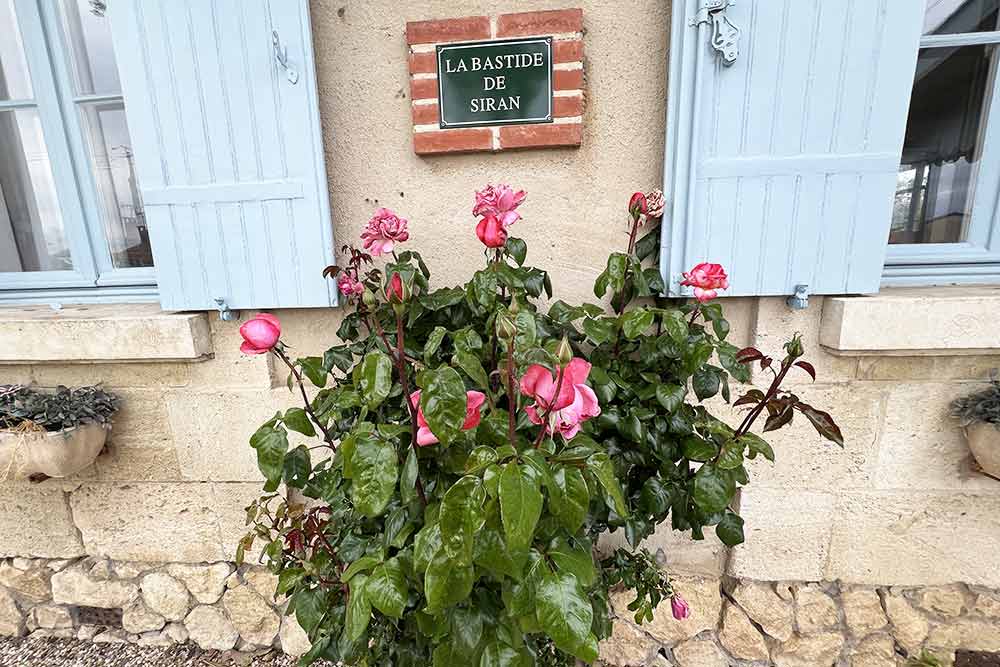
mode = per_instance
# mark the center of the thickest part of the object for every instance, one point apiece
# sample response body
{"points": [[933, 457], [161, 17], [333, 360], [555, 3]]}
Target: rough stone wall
{"points": [[214, 605], [750, 623]]}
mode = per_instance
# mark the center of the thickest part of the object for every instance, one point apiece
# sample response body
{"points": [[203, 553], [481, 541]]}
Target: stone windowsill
{"points": [[102, 333], [943, 321]]}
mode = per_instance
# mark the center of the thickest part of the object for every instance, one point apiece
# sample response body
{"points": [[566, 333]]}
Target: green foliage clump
{"points": [[980, 407]]}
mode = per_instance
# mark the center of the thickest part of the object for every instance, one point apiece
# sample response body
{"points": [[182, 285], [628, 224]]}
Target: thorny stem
{"points": [[511, 398], [305, 398], [400, 358], [771, 392]]}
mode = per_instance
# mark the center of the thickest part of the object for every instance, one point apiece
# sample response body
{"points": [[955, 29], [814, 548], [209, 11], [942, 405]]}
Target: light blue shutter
{"points": [[228, 150], [782, 166]]}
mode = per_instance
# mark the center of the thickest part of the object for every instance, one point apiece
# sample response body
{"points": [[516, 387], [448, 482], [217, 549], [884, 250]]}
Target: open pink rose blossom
{"points": [[574, 404], [499, 201], [473, 402], [260, 334], [706, 279], [384, 231], [348, 285]]}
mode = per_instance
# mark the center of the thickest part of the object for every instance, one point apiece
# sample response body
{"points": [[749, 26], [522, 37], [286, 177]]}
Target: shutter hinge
{"points": [[799, 300], [725, 34], [225, 314]]}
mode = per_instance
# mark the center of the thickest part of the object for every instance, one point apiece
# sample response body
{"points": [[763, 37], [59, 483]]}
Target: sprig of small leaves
{"points": [[60, 409], [982, 406], [637, 570]]}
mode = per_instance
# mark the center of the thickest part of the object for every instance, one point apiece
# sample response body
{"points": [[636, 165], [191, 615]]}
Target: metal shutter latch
{"points": [[725, 34]]}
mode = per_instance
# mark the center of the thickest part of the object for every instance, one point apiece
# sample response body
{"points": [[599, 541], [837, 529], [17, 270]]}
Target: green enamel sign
{"points": [[506, 82]]}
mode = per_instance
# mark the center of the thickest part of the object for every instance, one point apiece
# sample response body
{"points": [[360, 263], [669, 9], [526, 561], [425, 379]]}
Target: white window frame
{"points": [[977, 259], [94, 276]]}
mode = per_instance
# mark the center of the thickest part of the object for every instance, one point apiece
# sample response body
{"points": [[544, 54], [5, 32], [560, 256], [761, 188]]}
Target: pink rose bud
{"points": [[654, 204], [260, 334], [706, 279], [679, 607], [384, 231], [395, 291], [492, 232], [637, 205]]}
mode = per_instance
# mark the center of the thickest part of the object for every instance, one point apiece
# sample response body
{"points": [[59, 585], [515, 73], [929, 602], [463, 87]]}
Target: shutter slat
{"points": [[228, 151], [797, 146]]}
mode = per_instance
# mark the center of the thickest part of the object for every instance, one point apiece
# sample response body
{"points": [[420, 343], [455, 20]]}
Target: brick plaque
{"points": [[482, 83]]}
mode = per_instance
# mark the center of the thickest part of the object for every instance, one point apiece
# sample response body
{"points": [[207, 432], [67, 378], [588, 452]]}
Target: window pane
{"points": [[93, 54], [118, 194], [947, 17], [941, 153], [14, 81], [31, 226]]}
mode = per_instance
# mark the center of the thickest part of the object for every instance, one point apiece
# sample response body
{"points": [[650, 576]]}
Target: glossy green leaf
{"points": [[675, 326], [271, 443], [386, 588], [297, 420], [670, 396], [520, 506], [705, 383], [461, 515], [565, 614], [731, 455], [498, 654], [375, 471], [574, 555], [408, 478], [359, 609], [447, 582], [635, 322], [375, 378], [310, 605], [757, 445], [570, 497], [426, 543], [730, 529], [313, 368], [297, 467], [473, 367], [433, 343], [601, 467], [712, 490], [518, 250], [600, 330], [480, 459], [442, 400]]}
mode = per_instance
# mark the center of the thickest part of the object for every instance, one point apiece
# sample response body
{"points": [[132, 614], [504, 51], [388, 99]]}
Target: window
{"points": [[71, 213], [945, 216]]}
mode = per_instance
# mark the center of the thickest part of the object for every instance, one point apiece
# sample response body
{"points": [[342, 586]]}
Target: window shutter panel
{"points": [[782, 166], [228, 150]]}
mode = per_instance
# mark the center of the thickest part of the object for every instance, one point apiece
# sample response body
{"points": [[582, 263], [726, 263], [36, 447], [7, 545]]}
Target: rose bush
{"points": [[472, 448]]}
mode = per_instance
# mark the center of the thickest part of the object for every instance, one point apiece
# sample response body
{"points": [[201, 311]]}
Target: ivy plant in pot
{"points": [[52, 433], [979, 414], [470, 449]]}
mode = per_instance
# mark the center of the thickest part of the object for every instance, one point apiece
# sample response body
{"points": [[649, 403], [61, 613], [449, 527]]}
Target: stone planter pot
{"points": [[984, 441], [55, 454]]}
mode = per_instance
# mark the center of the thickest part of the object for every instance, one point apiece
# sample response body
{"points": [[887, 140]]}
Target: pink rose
{"points": [[654, 204], [679, 607], [565, 412], [348, 285], [394, 291], [260, 334], [473, 402], [384, 231], [499, 201], [492, 232], [706, 279]]}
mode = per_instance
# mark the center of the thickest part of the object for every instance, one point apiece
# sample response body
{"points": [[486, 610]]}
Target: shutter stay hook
{"points": [[725, 34]]}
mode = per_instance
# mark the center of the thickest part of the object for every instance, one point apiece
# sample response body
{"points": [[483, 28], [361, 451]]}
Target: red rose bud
{"points": [[492, 232], [637, 205], [395, 291]]}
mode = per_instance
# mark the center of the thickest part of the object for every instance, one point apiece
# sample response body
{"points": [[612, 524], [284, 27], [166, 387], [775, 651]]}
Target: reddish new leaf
{"points": [[748, 355], [808, 368], [331, 271], [779, 419], [823, 423], [765, 363], [750, 398]]}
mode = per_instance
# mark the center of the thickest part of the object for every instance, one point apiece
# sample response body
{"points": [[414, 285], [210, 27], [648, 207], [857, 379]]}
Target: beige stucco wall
{"points": [[898, 505]]}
